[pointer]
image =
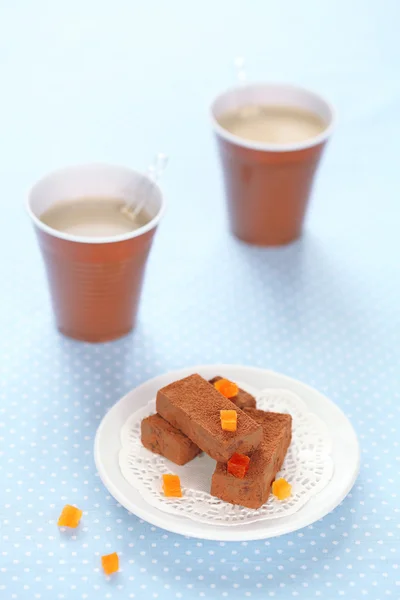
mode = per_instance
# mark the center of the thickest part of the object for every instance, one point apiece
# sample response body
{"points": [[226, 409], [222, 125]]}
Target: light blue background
{"points": [[119, 81]]}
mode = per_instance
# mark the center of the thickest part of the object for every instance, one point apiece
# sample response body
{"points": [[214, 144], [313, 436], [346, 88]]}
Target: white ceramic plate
{"points": [[345, 454]]}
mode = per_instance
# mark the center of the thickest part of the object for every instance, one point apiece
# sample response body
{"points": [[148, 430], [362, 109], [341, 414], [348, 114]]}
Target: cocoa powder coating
{"points": [[161, 437], [253, 490], [193, 406]]}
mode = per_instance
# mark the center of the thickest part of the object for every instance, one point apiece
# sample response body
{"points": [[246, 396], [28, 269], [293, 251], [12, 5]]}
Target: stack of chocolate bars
{"points": [[188, 422]]}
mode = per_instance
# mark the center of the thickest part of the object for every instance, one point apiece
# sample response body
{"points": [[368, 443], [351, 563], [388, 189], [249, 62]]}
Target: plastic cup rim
{"points": [[268, 147], [95, 240]]}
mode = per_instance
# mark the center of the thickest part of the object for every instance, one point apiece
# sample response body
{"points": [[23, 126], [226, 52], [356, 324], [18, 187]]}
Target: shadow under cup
{"points": [[95, 283], [268, 185]]}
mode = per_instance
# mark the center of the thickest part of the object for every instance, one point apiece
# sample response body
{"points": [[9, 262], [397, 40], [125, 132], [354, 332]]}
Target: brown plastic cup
{"points": [[268, 185], [95, 283]]}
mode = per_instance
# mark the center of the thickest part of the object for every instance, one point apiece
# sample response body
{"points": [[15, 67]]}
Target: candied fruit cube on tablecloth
{"points": [[70, 516], [238, 465], [226, 388], [228, 420], [110, 563], [172, 486], [281, 489]]}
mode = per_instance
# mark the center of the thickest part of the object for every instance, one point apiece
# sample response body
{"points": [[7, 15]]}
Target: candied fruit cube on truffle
{"points": [[238, 465], [228, 420], [226, 388], [242, 399]]}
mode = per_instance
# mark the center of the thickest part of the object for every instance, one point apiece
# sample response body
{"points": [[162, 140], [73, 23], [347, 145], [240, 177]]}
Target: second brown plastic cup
{"points": [[95, 283], [268, 185]]}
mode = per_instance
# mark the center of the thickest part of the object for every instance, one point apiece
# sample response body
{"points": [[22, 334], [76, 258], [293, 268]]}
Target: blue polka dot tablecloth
{"points": [[118, 82]]}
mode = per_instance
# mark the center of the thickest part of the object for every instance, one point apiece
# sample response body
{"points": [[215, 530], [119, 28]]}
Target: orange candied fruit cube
{"points": [[110, 563], [281, 489], [228, 420], [70, 516], [172, 486], [226, 388], [238, 465]]}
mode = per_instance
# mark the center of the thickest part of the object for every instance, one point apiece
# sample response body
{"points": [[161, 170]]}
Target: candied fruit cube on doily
{"points": [[110, 563], [238, 465], [281, 489], [70, 516], [226, 388], [228, 420], [172, 486]]}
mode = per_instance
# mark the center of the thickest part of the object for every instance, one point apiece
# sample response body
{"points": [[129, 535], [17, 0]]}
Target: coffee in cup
{"points": [[93, 217]]}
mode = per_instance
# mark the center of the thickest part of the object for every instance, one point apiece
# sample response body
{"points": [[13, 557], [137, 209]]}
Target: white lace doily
{"points": [[308, 467]]}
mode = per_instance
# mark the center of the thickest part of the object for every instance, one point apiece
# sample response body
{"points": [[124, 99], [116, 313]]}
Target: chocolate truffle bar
{"points": [[243, 399], [193, 406], [253, 490], [161, 437]]}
